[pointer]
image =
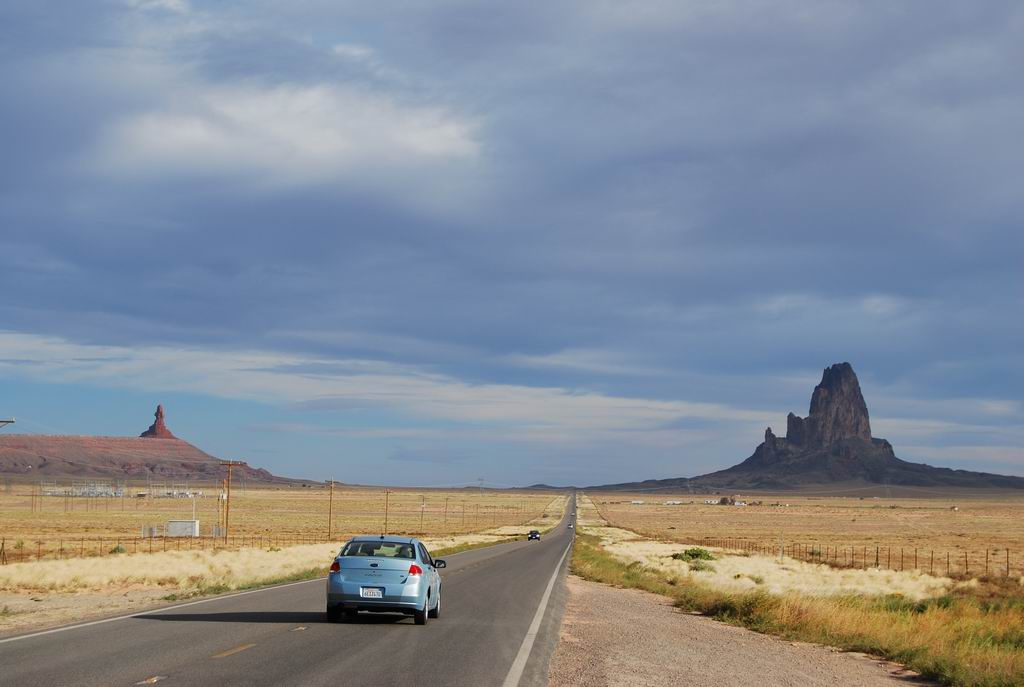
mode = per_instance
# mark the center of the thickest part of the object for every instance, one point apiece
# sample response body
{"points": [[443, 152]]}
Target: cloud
{"points": [[285, 135], [178, 6], [538, 413], [631, 236]]}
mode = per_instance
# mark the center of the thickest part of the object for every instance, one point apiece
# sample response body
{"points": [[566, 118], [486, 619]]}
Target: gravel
{"points": [[618, 637]]}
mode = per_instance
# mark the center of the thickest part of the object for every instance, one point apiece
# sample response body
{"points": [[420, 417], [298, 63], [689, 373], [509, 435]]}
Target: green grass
{"points": [[970, 638], [694, 554]]}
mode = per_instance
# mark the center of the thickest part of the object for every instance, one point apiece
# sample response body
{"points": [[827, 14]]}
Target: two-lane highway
{"points": [[492, 622]]}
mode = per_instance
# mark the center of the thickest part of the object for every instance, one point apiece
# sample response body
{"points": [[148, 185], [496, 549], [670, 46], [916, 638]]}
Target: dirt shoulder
{"points": [[617, 637]]}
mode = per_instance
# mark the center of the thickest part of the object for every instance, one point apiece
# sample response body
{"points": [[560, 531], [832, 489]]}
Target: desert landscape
{"points": [[906, 532], [956, 629], [56, 526]]}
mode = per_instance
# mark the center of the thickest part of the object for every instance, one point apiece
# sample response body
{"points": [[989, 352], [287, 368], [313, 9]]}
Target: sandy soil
{"points": [[747, 573], [622, 637]]}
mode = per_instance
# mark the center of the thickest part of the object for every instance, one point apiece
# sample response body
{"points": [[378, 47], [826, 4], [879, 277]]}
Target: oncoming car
{"points": [[533, 534], [384, 575]]}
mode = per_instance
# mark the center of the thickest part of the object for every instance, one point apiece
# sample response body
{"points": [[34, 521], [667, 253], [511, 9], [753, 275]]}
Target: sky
{"points": [[569, 242]]}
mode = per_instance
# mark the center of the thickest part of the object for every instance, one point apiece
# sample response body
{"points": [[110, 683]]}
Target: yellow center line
{"points": [[229, 652]]}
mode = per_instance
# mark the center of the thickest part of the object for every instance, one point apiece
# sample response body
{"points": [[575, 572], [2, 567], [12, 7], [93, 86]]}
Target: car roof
{"points": [[378, 537]]}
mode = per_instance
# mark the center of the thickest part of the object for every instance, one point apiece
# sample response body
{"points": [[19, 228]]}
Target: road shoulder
{"points": [[626, 637]]}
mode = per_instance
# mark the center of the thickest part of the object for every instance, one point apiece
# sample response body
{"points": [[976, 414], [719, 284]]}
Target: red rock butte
{"points": [[156, 453], [158, 430]]}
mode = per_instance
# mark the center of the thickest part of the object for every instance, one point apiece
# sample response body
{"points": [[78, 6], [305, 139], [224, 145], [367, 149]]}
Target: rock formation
{"points": [[833, 444], [158, 430], [34, 456]]}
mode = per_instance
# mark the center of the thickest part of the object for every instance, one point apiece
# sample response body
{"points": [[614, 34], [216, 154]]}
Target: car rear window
{"points": [[386, 549]]}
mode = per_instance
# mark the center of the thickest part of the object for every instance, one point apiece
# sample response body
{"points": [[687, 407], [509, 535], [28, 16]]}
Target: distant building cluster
{"points": [[173, 491], [112, 489], [84, 489], [731, 501]]}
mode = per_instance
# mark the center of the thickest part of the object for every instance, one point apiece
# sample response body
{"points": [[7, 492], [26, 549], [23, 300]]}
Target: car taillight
{"points": [[415, 569], [335, 566]]}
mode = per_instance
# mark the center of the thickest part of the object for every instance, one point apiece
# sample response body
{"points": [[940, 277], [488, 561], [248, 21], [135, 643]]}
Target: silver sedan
{"points": [[384, 574]]}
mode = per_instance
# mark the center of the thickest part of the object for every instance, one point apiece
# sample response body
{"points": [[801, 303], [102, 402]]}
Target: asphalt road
{"points": [[279, 636]]}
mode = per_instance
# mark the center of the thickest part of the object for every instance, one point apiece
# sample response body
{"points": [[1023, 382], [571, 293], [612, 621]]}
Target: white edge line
{"points": [[161, 609], [515, 673]]}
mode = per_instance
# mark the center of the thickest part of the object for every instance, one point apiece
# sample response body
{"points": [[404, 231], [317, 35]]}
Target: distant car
{"points": [[533, 534], [384, 575], [570, 525]]}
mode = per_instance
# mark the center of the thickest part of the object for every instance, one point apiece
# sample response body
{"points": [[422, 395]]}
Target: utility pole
{"points": [[330, 513], [4, 423], [227, 504], [446, 509], [387, 495], [423, 505]]}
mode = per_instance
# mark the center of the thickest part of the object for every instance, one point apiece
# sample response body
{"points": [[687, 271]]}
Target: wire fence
{"points": [[960, 563], [22, 550]]}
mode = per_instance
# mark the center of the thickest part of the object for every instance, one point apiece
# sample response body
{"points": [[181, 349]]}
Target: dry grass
{"points": [[768, 574], [282, 513], [995, 524], [972, 635], [172, 569], [193, 571]]}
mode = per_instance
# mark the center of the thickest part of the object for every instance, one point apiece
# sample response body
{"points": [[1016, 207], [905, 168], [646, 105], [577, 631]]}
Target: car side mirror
{"points": [[438, 563]]}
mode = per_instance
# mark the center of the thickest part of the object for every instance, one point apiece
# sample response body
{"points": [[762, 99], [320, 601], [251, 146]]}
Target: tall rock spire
{"points": [[837, 412], [158, 430]]}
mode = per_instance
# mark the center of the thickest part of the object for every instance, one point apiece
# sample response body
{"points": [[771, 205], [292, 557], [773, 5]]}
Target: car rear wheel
{"points": [[420, 616], [334, 614], [436, 613]]}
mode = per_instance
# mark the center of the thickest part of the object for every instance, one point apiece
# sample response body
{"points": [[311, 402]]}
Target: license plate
{"points": [[371, 593]]}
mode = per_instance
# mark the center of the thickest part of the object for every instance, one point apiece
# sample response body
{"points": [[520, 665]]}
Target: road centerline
{"points": [[232, 652]]}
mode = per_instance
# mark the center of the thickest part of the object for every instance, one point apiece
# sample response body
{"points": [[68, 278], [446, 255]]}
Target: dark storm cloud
{"points": [[667, 200]]}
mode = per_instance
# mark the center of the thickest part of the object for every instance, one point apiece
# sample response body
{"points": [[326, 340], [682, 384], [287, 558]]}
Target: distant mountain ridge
{"points": [[156, 454], [833, 444]]}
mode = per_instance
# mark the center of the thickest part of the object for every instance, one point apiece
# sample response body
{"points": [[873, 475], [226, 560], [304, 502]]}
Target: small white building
{"points": [[182, 528]]}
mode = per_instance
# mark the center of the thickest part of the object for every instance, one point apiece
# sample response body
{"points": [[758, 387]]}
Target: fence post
{"points": [[986, 560], [876, 556], [947, 564], [967, 570], [1007, 561], [901, 559]]}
